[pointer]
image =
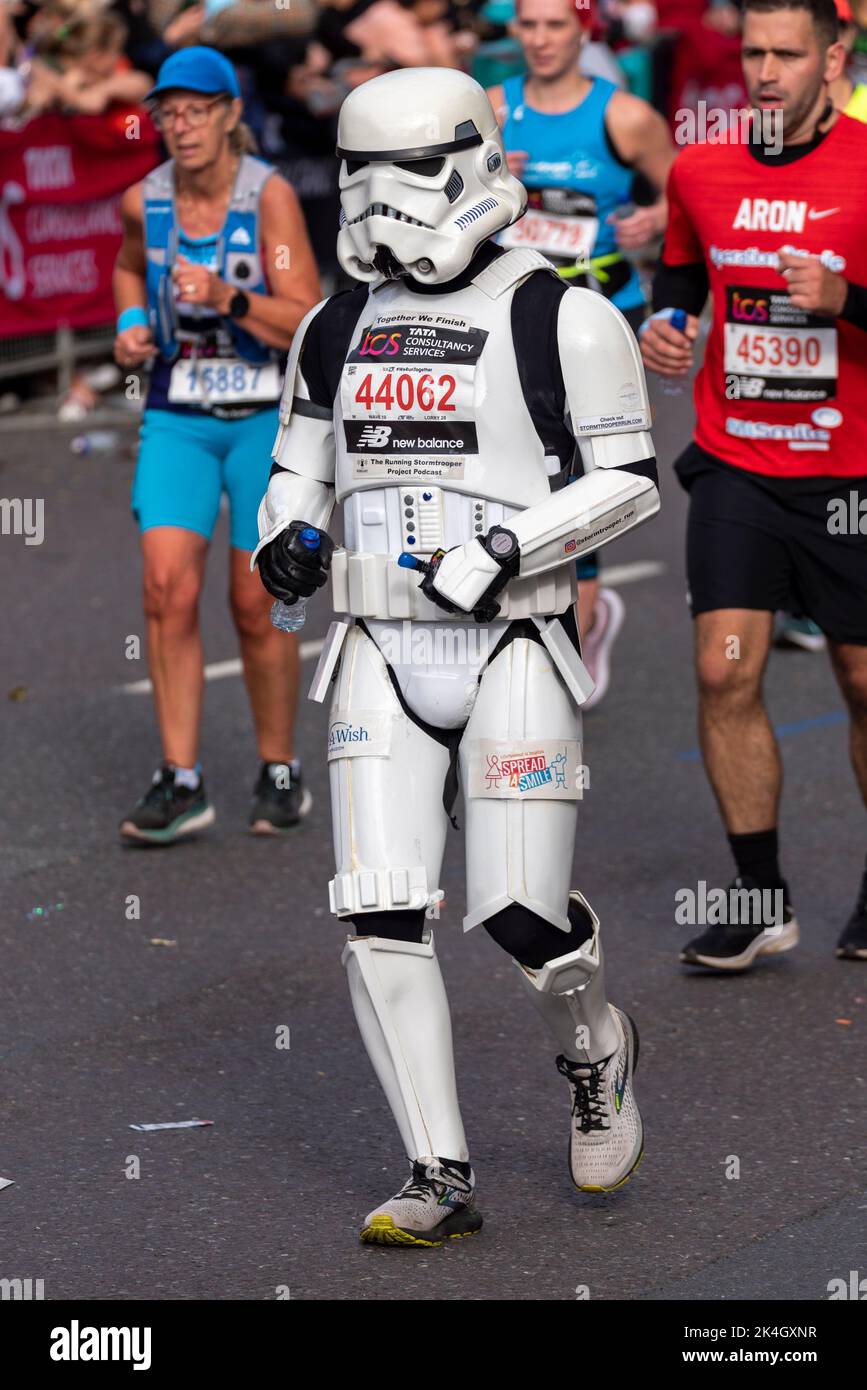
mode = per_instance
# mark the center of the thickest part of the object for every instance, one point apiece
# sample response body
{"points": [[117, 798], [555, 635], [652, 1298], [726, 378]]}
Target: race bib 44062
{"points": [[407, 397]]}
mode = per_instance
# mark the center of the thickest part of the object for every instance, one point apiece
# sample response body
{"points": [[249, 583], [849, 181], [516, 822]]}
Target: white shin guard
{"points": [[569, 993], [402, 1012]]}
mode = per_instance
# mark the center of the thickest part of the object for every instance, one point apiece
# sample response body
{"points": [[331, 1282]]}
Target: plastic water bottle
{"points": [[97, 442], [670, 386], [289, 617]]}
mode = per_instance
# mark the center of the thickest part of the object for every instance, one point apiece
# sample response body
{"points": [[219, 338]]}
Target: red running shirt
{"points": [[782, 391]]}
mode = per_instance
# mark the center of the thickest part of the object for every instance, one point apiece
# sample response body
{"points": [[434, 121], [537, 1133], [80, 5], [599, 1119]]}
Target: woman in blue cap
{"points": [[214, 275]]}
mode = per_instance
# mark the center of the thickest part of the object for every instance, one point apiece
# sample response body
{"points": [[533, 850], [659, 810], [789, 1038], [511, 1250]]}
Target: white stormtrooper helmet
{"points": [[424, 179]]}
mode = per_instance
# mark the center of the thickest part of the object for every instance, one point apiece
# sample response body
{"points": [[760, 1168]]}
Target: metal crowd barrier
{"points": [[61, 349]]}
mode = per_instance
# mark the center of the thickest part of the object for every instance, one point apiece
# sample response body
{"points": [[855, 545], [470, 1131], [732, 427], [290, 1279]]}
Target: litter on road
{"points": [[176, 1124]]}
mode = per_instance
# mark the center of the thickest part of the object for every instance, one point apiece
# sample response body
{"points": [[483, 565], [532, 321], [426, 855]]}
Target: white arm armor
{"points": [[609, 413], [304, 448]]}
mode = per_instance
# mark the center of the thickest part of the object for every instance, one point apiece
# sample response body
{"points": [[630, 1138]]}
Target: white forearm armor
{"points": [[609, 413]]}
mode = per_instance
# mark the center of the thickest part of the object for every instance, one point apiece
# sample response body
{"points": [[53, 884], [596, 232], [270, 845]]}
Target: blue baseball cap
{"points": [[196, 69]]}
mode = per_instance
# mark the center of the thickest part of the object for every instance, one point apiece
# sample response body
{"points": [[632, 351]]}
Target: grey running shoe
{"points": [[606, 1139], [596, 649], [437, 1203]]}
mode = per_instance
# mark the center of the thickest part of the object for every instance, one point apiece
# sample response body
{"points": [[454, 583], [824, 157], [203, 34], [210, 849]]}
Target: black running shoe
{"points": [[280, 799], [167, 812], [736, 944], [853, 942]]}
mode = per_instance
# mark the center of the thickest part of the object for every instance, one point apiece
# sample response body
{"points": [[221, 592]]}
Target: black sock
{"points": [[756, 857], [463, 1168]]}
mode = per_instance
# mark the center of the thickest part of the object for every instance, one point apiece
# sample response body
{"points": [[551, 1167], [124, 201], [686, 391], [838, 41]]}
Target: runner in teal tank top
{"points": [[578, 144]]}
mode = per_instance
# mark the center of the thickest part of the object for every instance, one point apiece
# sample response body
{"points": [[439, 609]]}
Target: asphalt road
{"points": [[101, 1029]]}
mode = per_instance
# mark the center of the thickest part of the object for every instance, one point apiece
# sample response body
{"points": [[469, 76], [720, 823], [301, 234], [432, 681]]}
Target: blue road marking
{"points": [[818, 721]]}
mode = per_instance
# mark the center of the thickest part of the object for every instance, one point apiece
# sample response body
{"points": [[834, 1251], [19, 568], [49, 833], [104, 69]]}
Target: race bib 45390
{"points": [[774, 351]]}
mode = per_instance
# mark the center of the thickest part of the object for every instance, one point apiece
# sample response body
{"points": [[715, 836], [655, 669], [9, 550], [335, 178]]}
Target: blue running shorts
{"points": [[186, 463]]}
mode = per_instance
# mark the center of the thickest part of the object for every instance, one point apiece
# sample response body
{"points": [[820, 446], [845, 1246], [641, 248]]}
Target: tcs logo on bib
{"points": [[750, 308], [380, 344]]}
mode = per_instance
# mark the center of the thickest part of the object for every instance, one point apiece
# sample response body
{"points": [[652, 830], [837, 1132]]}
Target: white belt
{"points": [[375, 586]]}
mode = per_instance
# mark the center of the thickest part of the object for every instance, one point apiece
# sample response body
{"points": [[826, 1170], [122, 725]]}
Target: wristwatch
{"points": [[239, 305]]}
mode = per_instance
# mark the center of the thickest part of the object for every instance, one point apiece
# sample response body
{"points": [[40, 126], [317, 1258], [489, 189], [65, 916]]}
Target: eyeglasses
{"points": [[195, 114]]}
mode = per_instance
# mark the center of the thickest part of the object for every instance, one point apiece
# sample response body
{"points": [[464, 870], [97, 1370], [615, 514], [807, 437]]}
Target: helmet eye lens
{"points": [[353, 165], [428, 168]]}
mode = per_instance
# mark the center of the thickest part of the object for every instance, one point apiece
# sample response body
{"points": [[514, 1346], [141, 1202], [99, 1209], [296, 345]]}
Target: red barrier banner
{"points": [[61, 180]]}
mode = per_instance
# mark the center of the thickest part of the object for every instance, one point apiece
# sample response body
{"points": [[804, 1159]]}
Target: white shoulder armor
{"points": [[604, 378], [292, 382], [305, 437]]}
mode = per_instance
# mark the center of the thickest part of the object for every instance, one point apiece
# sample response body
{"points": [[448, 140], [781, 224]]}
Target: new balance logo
{"points": [[374, 437]]}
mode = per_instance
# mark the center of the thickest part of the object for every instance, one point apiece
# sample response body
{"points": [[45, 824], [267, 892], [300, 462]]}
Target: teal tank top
{"points": [[574, 182]]}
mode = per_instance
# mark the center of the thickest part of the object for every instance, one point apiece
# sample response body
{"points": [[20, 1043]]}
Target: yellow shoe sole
{"points": [[616, 1185], [383, 1231]]}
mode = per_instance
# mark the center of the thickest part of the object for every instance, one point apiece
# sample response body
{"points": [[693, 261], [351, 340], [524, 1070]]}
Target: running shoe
{"points": [[167, 812], [280, 799], [606, 1138], [853, 942], [736, 945], [798, 632], [608, 617], [437, 1203]]}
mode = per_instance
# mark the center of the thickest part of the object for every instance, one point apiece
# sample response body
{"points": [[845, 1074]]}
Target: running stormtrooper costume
{"points": [[441, 404]]}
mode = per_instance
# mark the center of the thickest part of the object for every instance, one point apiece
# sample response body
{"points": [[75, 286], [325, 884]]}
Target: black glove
{"points": [[290, 569]]}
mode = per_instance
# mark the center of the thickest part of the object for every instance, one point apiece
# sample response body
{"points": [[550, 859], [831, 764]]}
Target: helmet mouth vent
{"points": [[383, 210]]}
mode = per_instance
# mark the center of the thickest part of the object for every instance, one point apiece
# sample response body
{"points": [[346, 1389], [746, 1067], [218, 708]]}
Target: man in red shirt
{"points": [[777, 473]]}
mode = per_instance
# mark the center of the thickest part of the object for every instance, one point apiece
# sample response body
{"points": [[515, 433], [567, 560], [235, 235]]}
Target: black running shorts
{"points": [[776, 543]]}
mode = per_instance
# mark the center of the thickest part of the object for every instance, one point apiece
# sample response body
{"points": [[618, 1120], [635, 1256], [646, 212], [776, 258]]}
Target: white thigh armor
{"points": [[387, 779], [520, 770], [520, 764]]}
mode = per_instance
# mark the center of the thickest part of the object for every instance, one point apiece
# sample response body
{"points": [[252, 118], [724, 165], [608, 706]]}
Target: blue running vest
{"points": [[234, 253]]}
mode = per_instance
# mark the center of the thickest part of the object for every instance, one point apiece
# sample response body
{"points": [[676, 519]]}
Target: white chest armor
{"points": [[434, 442]]}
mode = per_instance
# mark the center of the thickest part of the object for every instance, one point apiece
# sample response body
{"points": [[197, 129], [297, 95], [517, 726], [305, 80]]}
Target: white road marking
{"points": [[614, 575], [218, 670], [630, 574]]}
